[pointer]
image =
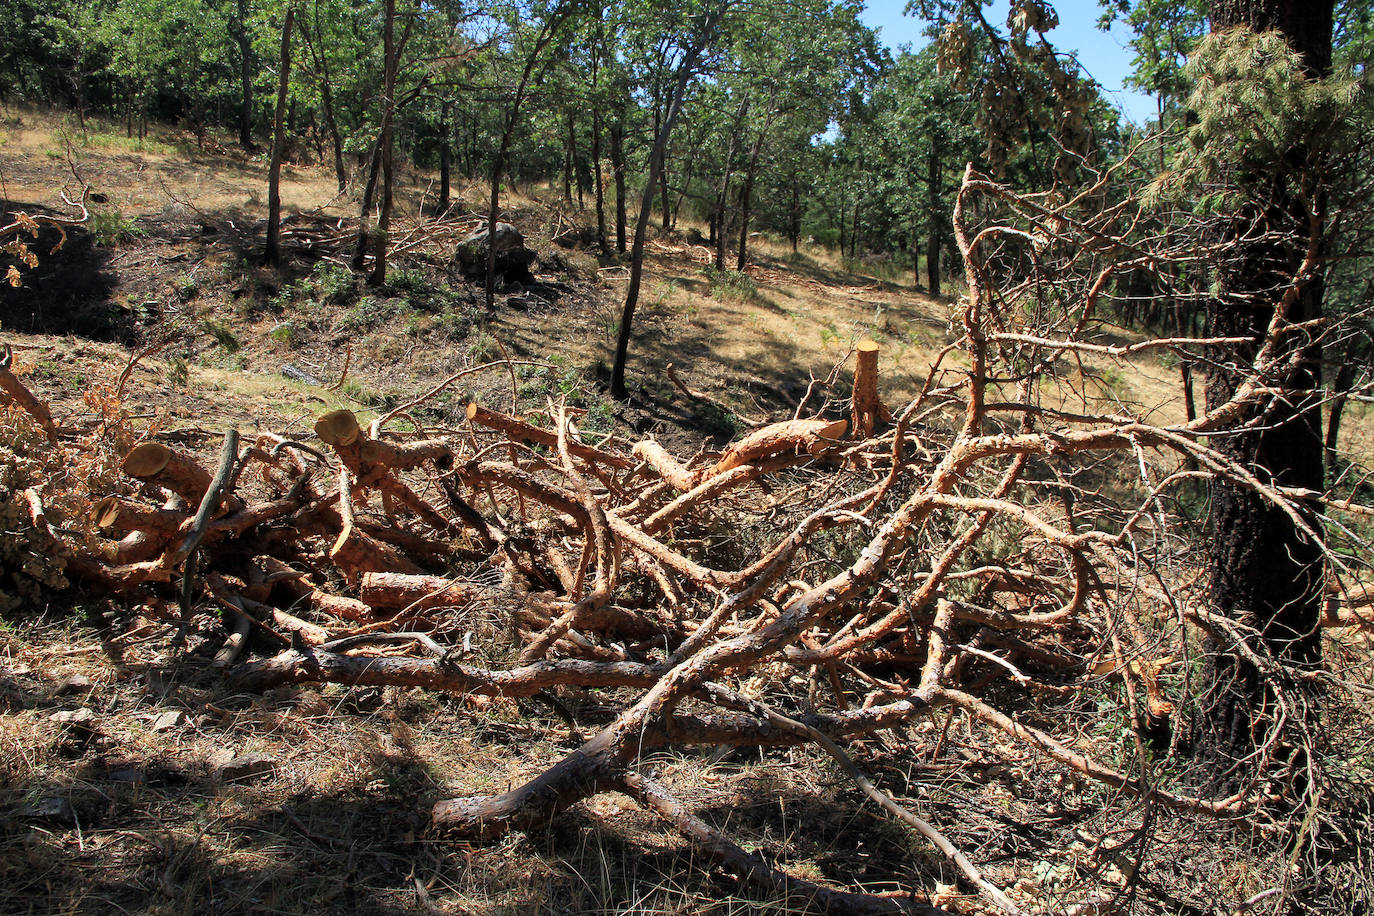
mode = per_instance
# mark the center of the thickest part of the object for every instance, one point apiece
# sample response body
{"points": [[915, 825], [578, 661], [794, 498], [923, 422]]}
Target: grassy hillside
{"points": [[117, 787]]}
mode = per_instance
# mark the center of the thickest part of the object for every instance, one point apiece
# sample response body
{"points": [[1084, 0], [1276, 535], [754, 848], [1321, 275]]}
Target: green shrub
{"points": [[287, 334], [222, 336], [731, 284], [332, 283], [371, 312], [110, 227]]}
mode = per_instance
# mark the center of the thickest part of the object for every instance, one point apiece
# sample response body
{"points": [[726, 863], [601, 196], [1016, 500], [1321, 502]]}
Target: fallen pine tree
{"points": [[897, 564]]}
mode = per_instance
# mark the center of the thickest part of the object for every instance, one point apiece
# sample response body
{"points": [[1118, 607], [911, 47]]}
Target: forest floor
{"points": [[114, 796]]}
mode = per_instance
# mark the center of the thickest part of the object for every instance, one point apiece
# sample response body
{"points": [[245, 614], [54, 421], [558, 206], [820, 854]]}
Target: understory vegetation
{"points": [[647, 458]]}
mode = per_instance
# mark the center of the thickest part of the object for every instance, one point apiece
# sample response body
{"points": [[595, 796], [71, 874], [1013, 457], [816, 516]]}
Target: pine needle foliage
{"points": [[1252, 105]]}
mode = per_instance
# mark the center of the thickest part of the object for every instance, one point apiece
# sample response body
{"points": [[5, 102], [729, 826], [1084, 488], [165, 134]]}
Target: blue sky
{"points": [[1106, 56]]}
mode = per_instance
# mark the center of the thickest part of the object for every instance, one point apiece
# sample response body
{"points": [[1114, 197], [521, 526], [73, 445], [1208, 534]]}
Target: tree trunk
{"points": [[378, 276], [722, 194], [369, 195], [1340, 391], [568, 162], [794, 215], [656, 156], [577, 162], [445, 156], [1264, 572], [746, 196], [937, 220], [278, 144], [618, 167], [239, 31], [600, 189], [507, 136], [326, 97]]}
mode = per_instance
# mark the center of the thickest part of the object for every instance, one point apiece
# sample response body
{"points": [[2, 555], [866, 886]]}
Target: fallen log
{"points": [[387, 590], [20, 395], [790, 437], [168, 468], [521, 431]]}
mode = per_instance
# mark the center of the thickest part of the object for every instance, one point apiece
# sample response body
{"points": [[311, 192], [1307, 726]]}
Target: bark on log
{"points": [[374, 463], [118, 515], [811, 437], [294, 667], [355, 552], [866, 411], [668, 467], [20, 394], [169, 468], [524, 432], [338, 427], [392, 591]]}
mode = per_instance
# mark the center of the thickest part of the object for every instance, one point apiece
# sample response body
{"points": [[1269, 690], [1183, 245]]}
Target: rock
{"points": [[513, 259], [51, 810], [169, 720], [74, 683], [82, 717], [508, 238], [297, 374], [225, 767]]}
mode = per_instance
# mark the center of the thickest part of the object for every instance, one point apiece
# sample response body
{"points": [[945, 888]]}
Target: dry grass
{"points": [[339, 826]]}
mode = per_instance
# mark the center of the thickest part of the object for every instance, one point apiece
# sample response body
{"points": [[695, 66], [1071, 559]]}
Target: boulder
{"points": [[513, 259]]}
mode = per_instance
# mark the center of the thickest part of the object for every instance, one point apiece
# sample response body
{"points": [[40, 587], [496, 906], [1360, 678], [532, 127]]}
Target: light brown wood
{"points": [[169, 468], [115, 514], [668, 467], [386, 590], [811, 437], [524, 432], [338, 427], [355, 552], [19, 393], [865, 411]]}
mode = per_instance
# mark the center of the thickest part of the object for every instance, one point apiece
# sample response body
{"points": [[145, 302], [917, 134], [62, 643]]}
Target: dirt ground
{"points": [[113, 794]]}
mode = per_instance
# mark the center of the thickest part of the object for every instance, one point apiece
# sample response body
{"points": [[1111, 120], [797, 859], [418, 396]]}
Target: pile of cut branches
{"points": [[821, 579]]}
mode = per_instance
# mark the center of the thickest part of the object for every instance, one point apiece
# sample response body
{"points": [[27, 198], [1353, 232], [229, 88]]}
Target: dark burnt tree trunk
{"points": [[1264, 572]]}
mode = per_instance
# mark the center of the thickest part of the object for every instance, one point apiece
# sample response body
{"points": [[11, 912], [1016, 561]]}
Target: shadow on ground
{"points": [[69, 292]]}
